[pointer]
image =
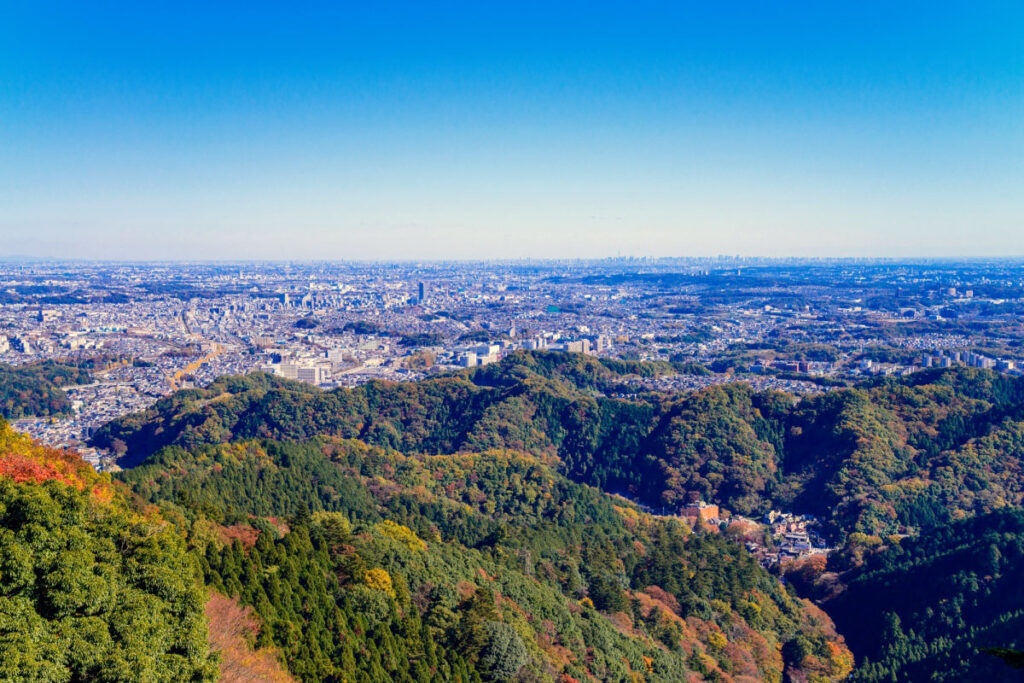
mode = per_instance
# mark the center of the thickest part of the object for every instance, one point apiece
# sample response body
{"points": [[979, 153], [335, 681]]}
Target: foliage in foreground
{"points": [[90, 590]]}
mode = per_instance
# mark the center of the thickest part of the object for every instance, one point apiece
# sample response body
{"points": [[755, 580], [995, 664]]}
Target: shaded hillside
{"points": [[887, 454], [493, 565], [928, 607], [35, 390], [89, 589]]}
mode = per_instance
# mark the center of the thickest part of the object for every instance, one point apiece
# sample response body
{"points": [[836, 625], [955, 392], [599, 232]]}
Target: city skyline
{"points": [[468, 132]]}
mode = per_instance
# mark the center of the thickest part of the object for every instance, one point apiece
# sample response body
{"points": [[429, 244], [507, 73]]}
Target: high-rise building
{"points": [[577, 346], [312, 374], [422, 291], [303, 371]]}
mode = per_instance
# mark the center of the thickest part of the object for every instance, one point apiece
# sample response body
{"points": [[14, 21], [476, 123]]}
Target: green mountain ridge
{"points": [[875, 458]]}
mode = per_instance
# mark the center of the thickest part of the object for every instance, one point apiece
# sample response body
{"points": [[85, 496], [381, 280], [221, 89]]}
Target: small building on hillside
{"points": [[700, 511]]}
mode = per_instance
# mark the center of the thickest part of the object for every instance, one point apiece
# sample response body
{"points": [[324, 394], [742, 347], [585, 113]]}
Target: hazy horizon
{"points": [[466, 131]]}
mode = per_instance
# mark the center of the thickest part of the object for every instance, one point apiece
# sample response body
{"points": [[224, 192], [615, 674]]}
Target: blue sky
{"points": [[476, 129]]}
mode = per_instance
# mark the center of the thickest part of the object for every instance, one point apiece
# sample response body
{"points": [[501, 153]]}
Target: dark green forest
{"points": [[930, 607]]}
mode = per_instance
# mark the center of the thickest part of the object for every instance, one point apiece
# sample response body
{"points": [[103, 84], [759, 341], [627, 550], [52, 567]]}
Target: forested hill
{"points": [[345, 562], [35, 390], [368, 565], [888, 454]]}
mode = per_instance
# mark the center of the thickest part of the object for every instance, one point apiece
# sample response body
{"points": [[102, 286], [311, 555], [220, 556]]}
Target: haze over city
{"points": [[474, 130]]}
